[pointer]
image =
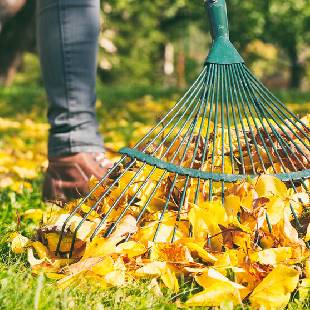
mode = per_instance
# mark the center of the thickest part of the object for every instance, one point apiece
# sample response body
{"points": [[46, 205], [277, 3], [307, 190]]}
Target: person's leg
{"points": [[68, 41]]}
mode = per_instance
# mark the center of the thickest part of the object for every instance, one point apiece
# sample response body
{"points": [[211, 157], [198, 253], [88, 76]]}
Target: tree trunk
{"points": [[296, 68], [16, 37]]}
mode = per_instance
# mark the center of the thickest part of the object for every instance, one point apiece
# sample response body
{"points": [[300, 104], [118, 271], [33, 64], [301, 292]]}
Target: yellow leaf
{"points": [[54, 275], [307, 238], [32, 260], [212, 276], [289, 232], [170, 252], [40, 249], [33, 214], [170, 280], [274, 256], [127, 225], [205, 220], [201, 252], [275, 290], [307, 268], [104, 267], [232, 205], [19, 243], [100, 247], [268, 185], [215, 295], [131, 249], [85, 228], [151, 269], [275, 210], [53, 239], [115, 278]]}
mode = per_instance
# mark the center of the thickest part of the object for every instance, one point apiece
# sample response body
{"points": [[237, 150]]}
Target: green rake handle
{"points": [[217, 11], [222, 51]]}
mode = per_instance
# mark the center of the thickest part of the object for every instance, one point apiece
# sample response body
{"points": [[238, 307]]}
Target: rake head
{"points": [[226, 128]]}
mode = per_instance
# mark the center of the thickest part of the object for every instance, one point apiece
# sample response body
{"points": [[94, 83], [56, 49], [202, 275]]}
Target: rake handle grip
{"points": [[217, 11]]}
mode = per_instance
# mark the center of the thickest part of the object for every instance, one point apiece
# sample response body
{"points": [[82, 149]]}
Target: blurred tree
{"points": [[140, 32], [17, 36], [287, 24], [136, 34]]}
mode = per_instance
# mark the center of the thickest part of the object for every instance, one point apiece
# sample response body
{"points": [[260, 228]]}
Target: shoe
{"points": [[67, 177]]}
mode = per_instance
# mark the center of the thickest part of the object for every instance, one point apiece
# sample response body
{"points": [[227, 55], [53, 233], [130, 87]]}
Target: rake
{"points": [[226, 128]]}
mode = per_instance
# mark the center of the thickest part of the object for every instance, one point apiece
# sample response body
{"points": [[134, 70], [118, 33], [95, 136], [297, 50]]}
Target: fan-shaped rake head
{"points": [[226, 128]]}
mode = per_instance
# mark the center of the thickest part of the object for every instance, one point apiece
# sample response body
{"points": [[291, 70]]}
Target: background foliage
{"points": [[272, 35]]}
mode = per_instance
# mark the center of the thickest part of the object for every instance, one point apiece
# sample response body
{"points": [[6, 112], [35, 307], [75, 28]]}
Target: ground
{"points": [[23, 133]]}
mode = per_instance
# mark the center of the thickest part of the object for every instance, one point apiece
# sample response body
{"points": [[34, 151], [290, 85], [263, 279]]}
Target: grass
{"points": [[21, 290]]}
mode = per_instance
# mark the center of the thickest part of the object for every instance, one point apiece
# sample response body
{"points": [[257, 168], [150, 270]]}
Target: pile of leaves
{"points": [[244, 249]]}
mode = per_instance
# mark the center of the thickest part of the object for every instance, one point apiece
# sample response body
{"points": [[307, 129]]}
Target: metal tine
{"points": [[215, 124], [271, 101], [192, 94], [78, 207], [232, 102], [228, 119], [174, 126], [162, 177], [189, 92], [166, 137], [206, 141], [284, 121], [249, 97], [123, 193], [206, 91], [242, 85], [275, 100], [145, 182], [236, 99], [275, 149], [222, 93], [280, 139], [193, 125], [286, 125]]}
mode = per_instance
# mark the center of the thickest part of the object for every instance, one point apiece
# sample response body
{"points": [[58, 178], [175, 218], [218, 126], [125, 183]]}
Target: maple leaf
{"points": [[275, 290]]}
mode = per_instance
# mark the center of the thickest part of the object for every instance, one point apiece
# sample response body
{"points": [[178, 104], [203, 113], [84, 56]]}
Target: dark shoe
{"points": [[67, 177]]}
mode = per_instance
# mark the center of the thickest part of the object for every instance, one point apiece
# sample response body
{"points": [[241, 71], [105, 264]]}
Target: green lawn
{"points": [[18, 288]]}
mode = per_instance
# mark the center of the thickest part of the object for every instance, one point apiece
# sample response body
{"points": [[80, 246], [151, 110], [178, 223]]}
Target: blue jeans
{"points": [[67, 32]]}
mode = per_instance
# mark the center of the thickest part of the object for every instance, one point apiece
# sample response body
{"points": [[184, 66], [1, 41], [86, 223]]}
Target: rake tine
{"points": [[279, 138], [124, 191], [265, 93], [280, 160], [191, 90], [263, 125], [193, 94], [214, 130], [241, 83], [212, 86], [287, 125], [193, 157], [232, 101], [78, 207], [193, 125], [145, 182], [235, 87]]}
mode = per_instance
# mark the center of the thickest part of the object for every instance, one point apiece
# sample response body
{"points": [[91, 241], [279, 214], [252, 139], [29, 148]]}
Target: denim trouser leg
{"points": [[68, 41]]}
